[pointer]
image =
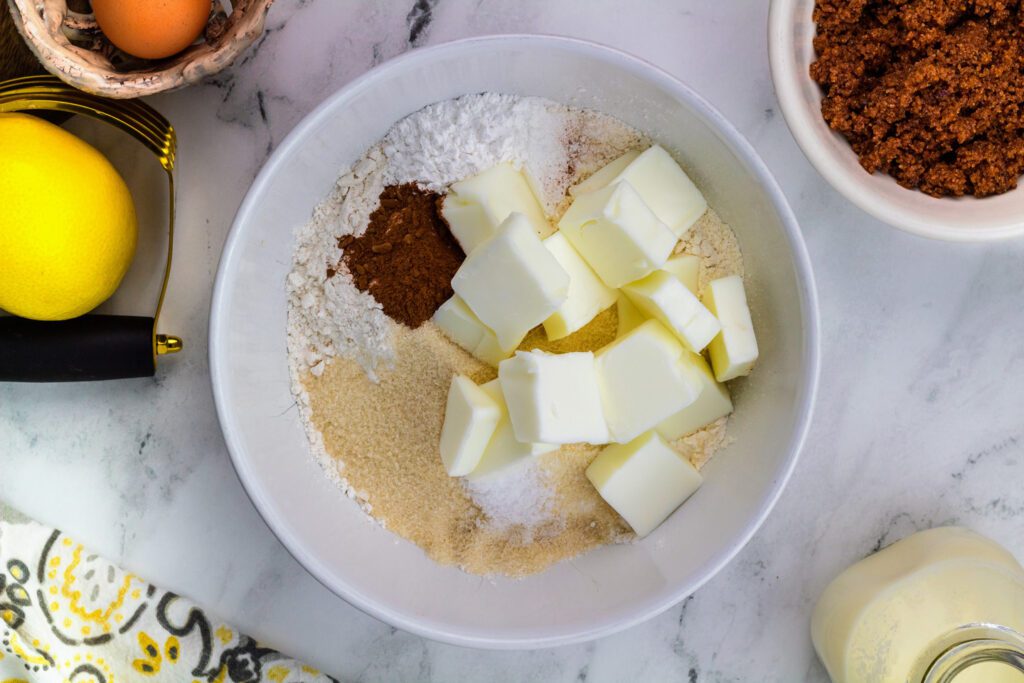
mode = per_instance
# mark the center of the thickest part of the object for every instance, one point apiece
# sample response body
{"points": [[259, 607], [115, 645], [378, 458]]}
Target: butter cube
{"points": [[663, 297], [504, 450], [553, 398], [458, 322], [512, 282], [643, 380], [686, 268], [630, 317], [466, 330], [617, 234], [712, 402], [661, 183], [490, 351], [588, 296], [606, 175], [734, 351], [643, 480], [470, 419], [475, 207]]}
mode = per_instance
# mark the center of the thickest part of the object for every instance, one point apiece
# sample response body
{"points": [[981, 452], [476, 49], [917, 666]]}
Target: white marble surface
{"points": [[920, 419]]}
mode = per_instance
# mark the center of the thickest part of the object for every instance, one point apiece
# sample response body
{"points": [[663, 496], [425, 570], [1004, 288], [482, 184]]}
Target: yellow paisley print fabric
{"points": [[70, 616]]}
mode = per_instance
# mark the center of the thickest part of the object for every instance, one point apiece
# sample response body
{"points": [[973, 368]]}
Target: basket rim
{"points": [[39, 22]]}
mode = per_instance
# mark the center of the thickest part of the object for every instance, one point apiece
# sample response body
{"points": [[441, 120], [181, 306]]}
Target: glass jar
{"points": [[998, 658], [941, 606]]}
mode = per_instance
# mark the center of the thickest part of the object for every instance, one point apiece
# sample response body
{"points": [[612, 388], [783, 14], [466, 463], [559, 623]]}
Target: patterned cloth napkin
{"points": [[69, 616]]}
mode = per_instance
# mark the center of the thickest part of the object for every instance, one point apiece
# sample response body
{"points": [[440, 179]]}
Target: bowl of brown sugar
{"points": [[912, 111]]}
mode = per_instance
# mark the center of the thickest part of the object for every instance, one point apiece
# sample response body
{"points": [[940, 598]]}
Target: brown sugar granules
{"points": [[407, 256], [386, 435], [930, 92]]}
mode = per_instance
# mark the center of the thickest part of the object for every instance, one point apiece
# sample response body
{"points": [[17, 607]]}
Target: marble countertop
{"points": [[920, 418]]}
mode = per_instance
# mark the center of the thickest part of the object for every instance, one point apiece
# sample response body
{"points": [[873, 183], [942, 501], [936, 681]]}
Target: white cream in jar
{"points": [[941, 606]]}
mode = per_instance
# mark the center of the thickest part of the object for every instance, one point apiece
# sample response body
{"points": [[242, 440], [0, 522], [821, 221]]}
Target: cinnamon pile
{"points": [[407, 256]]}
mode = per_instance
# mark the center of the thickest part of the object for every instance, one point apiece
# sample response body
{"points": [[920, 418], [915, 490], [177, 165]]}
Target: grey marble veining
{"points": [[920, 419]]}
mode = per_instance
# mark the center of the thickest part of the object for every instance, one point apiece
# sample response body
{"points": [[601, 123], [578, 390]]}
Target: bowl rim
{"points": [[806, 387], [801, 121]]}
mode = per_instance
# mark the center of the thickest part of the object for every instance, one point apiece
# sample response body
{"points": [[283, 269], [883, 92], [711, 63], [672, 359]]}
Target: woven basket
{"points": [[71, 46]]}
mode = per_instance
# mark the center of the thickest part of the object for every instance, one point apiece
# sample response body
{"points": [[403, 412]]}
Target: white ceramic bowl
{"points": [[966, 219], [386, 576]]}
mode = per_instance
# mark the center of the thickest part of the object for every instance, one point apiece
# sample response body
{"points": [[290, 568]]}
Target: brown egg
{"points": [[152, 29]]}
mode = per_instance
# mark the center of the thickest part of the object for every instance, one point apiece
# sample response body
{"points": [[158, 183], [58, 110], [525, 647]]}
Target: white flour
{"points": [[434, 147], [330, 316]]}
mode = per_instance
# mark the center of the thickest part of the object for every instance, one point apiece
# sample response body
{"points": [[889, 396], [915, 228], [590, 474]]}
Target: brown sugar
{"points": [[930, 92], [386, 436], [407, 256]]}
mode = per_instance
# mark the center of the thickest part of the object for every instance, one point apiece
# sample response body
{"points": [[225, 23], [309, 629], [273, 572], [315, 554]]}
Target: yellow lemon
{"points": [[67, 222]]}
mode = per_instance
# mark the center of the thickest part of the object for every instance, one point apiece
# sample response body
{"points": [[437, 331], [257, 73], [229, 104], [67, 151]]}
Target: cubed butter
{"points": [[504, 450], [617, 234], [588, 296], [465, 329], [490, 351], [604, 176], [477, 206], [459, 323], [643, 480], [470, 418], [643, 380], [553, 398], [712, 402], [661, 183], [663, 297], [512, 282], [630, 317], [734, 351], [686, 268]]}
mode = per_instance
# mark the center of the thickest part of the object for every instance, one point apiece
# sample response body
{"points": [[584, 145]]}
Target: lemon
{"points": [[67, 222]]}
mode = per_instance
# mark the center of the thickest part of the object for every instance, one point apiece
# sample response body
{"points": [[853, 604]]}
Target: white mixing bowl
{"points": [[602, 591]]}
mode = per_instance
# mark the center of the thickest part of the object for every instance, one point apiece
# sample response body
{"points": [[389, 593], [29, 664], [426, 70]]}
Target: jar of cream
{"points": [[941, 606]]}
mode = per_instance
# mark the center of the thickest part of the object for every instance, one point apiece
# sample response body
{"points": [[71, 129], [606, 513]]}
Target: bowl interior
{"points": [[392, 579], [790, 43]]}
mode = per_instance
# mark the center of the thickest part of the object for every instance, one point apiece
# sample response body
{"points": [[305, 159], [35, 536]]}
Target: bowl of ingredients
{"points": [[131, 48], [910, 110], [511, 364]]}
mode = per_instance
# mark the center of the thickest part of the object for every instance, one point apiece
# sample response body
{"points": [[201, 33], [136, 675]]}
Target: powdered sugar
{"points": [[452, 140]]}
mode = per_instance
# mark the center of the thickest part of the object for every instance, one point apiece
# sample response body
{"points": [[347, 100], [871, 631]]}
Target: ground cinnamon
{"points": [[930, 92], [407, 256]]}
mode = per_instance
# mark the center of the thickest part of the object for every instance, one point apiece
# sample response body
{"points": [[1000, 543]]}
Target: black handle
{"points": [[92, 347]]}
